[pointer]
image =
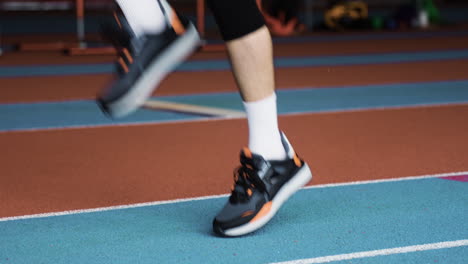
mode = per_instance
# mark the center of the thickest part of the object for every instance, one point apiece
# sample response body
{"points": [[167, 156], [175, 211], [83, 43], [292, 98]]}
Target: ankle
{"points": [[264, 135]]}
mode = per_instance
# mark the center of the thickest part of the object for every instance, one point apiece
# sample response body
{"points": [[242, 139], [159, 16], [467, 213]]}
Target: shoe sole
{"points": [[182, 47], [303, 176]]}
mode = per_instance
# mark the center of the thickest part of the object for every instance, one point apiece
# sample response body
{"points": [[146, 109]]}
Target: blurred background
{"points": [[57, 22]]}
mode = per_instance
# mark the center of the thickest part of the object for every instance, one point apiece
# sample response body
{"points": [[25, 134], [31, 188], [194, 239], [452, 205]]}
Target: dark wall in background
{"points": [[38, 22]]}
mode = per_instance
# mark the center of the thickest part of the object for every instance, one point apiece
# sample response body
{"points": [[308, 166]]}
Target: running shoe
{"points": [[260, 188], [143, 63]]}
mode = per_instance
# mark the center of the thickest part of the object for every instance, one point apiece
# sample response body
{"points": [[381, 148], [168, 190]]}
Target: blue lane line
{"points": [[313, 223], [26, 116], [51, 70], [222, 65], [16, 117], [350, 98]]}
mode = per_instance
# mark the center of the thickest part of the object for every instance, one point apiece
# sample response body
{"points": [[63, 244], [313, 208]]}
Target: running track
{"points": [[368, 112]]}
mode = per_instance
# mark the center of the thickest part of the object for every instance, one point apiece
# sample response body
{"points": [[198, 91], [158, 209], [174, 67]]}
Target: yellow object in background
{"points": [[338, 15]]}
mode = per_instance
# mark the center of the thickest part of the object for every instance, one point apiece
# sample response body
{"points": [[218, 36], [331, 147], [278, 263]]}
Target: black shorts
{"points": [[236, 18]]}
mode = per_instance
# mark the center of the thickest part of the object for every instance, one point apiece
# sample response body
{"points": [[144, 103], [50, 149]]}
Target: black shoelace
{"points": [[245, 182]]}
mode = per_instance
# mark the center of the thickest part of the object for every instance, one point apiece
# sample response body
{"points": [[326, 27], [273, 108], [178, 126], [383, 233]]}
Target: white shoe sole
{"points": [[156, 72], [303, 176]]}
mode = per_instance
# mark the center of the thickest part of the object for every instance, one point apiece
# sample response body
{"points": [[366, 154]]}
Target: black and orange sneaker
{"points": [[144, 62], [260, 188]]}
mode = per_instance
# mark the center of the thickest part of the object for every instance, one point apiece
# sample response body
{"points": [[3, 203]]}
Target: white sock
{"points": [[145, 16], [264, 135]]}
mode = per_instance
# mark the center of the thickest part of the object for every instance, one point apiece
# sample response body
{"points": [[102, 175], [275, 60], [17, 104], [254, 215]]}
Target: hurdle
{"points": [[82, 48], [71, 46], [79, 46], [201, 27]]}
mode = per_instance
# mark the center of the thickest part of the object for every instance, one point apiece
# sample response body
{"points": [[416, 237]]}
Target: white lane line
{"points": [[110, 208], [439, 175], [127, 206], [380, 252]]}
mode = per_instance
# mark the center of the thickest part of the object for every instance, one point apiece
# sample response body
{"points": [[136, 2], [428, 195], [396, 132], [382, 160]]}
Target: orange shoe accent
{"points": [[128, 55], [176, 24], [264, 211], [116, 17], [123, 64], [247, 152], [297, 161], [247, 213]]}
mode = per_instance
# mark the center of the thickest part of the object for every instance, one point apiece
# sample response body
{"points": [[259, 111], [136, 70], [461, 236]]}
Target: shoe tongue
{"points": [[247, 157]]}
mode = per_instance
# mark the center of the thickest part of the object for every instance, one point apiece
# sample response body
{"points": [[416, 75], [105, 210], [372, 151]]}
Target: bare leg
{"points": [[252, 62]]}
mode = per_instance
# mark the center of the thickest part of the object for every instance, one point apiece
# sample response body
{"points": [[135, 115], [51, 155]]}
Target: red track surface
{"points": [[35, 89], [293, 49], [87, 86], [86, 168]]}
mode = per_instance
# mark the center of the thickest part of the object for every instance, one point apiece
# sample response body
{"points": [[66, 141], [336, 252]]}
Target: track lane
{"points": [[331, 44], [86, 168], [59, 88], [327, 223]]}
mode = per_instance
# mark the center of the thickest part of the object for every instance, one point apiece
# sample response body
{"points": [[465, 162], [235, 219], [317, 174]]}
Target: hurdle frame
{"points": [[80, 47]]}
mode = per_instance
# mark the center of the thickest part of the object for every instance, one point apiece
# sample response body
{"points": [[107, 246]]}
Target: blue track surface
{"points": [[221, 65], [313, 223], [448, 256], [14, 117]]}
